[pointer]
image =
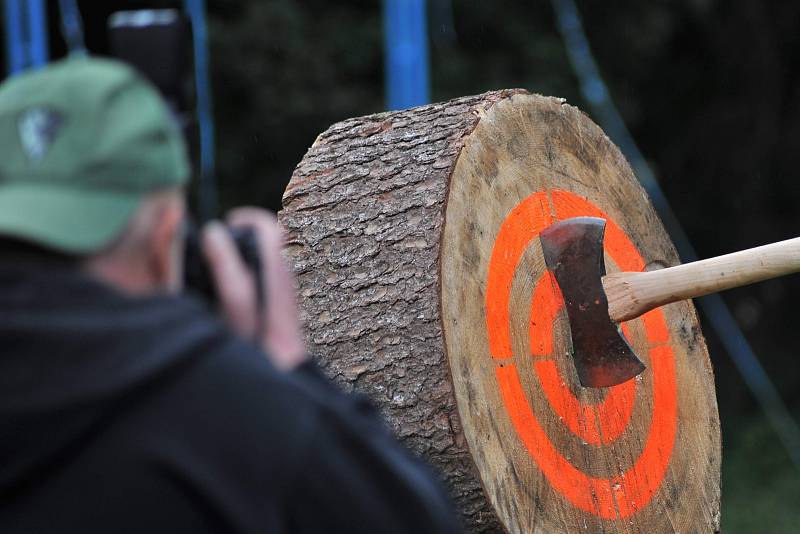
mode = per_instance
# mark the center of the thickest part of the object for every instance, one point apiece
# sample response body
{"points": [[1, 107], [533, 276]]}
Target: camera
{"points": [[197, 276], [157, 42]]}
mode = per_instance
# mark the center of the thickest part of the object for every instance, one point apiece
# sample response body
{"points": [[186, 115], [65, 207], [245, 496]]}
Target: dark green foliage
{"points": [[759, 491], [283, 72]]}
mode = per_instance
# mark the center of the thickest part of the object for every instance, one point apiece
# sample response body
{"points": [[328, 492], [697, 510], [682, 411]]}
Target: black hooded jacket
{"points": [[122, 414]]}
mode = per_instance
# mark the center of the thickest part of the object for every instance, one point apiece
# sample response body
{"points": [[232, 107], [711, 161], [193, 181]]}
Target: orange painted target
{"points": [[551, 455], [618, 496]]}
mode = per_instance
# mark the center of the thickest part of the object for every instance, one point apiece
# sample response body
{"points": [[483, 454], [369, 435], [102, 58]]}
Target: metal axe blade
{"points": [[573, 252]]}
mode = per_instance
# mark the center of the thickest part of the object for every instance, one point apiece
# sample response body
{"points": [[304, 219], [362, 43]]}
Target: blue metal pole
{"points": [[72, 27], [26, 34], [15, 44], [208, 197], [406, 41], [37, 33]]}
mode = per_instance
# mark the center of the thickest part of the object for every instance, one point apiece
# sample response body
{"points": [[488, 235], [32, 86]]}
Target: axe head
{"points": [[573, 251]]}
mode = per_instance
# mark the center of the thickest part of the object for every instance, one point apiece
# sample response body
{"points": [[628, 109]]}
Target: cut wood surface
{"points": [[414, 238]]}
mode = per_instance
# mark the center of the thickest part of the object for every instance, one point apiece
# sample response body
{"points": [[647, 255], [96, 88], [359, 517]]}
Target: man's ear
{"points": [[166, 245]]}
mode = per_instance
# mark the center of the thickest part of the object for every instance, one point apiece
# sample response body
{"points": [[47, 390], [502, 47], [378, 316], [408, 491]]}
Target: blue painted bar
{"points": [[72, 26], [38, 45], [25, 23], [406, 43], [15, 44], [208, 198]]}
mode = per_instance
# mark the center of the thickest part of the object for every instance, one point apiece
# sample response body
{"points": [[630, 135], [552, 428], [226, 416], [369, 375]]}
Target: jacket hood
{"points": [[71, 350]]}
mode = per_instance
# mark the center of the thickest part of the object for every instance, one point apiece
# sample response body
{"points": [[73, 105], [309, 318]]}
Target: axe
{"points": [[596, 302]]}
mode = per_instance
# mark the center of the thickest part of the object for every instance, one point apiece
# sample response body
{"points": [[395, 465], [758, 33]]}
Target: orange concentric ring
{"points": [[609, 498]]}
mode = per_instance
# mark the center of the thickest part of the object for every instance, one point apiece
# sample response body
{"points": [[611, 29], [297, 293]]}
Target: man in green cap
{"points": [[127, 407]]}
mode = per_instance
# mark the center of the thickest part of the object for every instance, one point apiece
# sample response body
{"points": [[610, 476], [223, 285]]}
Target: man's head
{"points": [[92, 166]]}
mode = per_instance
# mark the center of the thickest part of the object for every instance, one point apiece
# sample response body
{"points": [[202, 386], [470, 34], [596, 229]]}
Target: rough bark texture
{"points": [[364, 212], [422, 285]]}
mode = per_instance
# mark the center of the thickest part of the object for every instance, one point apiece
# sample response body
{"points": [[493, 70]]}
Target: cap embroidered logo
{"points": [[38, 128]]}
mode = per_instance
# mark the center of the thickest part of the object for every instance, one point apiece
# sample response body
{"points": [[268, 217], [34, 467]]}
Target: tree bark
{"points": [[413, 238]]}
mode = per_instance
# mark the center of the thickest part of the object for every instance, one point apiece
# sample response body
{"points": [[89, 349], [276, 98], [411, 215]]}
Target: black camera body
{"points": [[197, 277]]}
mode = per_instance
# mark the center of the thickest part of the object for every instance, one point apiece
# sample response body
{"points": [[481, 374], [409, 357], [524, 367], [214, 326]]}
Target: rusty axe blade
{"points": [[573, 251]]}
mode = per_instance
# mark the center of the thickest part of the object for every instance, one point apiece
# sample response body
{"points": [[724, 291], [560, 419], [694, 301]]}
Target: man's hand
{"points": [[277, 329]]}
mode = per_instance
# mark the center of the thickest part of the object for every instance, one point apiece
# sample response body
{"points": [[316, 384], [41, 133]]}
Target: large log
{"points": [[413, 235]]}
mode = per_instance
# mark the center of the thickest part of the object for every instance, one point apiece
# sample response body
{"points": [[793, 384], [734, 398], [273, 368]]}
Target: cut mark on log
{"points": [[595, 424]]}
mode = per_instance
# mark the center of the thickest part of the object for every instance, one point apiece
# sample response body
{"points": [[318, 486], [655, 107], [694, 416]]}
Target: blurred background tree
{"points": [[710, 90]]}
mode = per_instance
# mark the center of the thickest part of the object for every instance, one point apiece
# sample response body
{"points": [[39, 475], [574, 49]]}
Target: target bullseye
{"points": [[616, 496]]}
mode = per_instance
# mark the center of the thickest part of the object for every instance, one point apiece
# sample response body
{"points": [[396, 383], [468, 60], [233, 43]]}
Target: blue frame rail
{"points": [[207, 197], [25, 24], [406, 43]]}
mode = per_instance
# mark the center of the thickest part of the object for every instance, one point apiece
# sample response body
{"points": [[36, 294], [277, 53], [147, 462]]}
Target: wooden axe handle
{"points": [[632, 294]]}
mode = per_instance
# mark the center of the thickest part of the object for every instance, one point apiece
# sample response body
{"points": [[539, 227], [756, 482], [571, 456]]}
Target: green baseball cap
{"points": [[82, 141]]}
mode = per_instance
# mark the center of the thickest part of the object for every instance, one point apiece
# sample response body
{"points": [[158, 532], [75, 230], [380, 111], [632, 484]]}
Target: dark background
{"points": [[710, 89]]}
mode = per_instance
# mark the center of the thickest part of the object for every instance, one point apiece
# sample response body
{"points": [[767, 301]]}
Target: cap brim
{"points": [[69, 220]]}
